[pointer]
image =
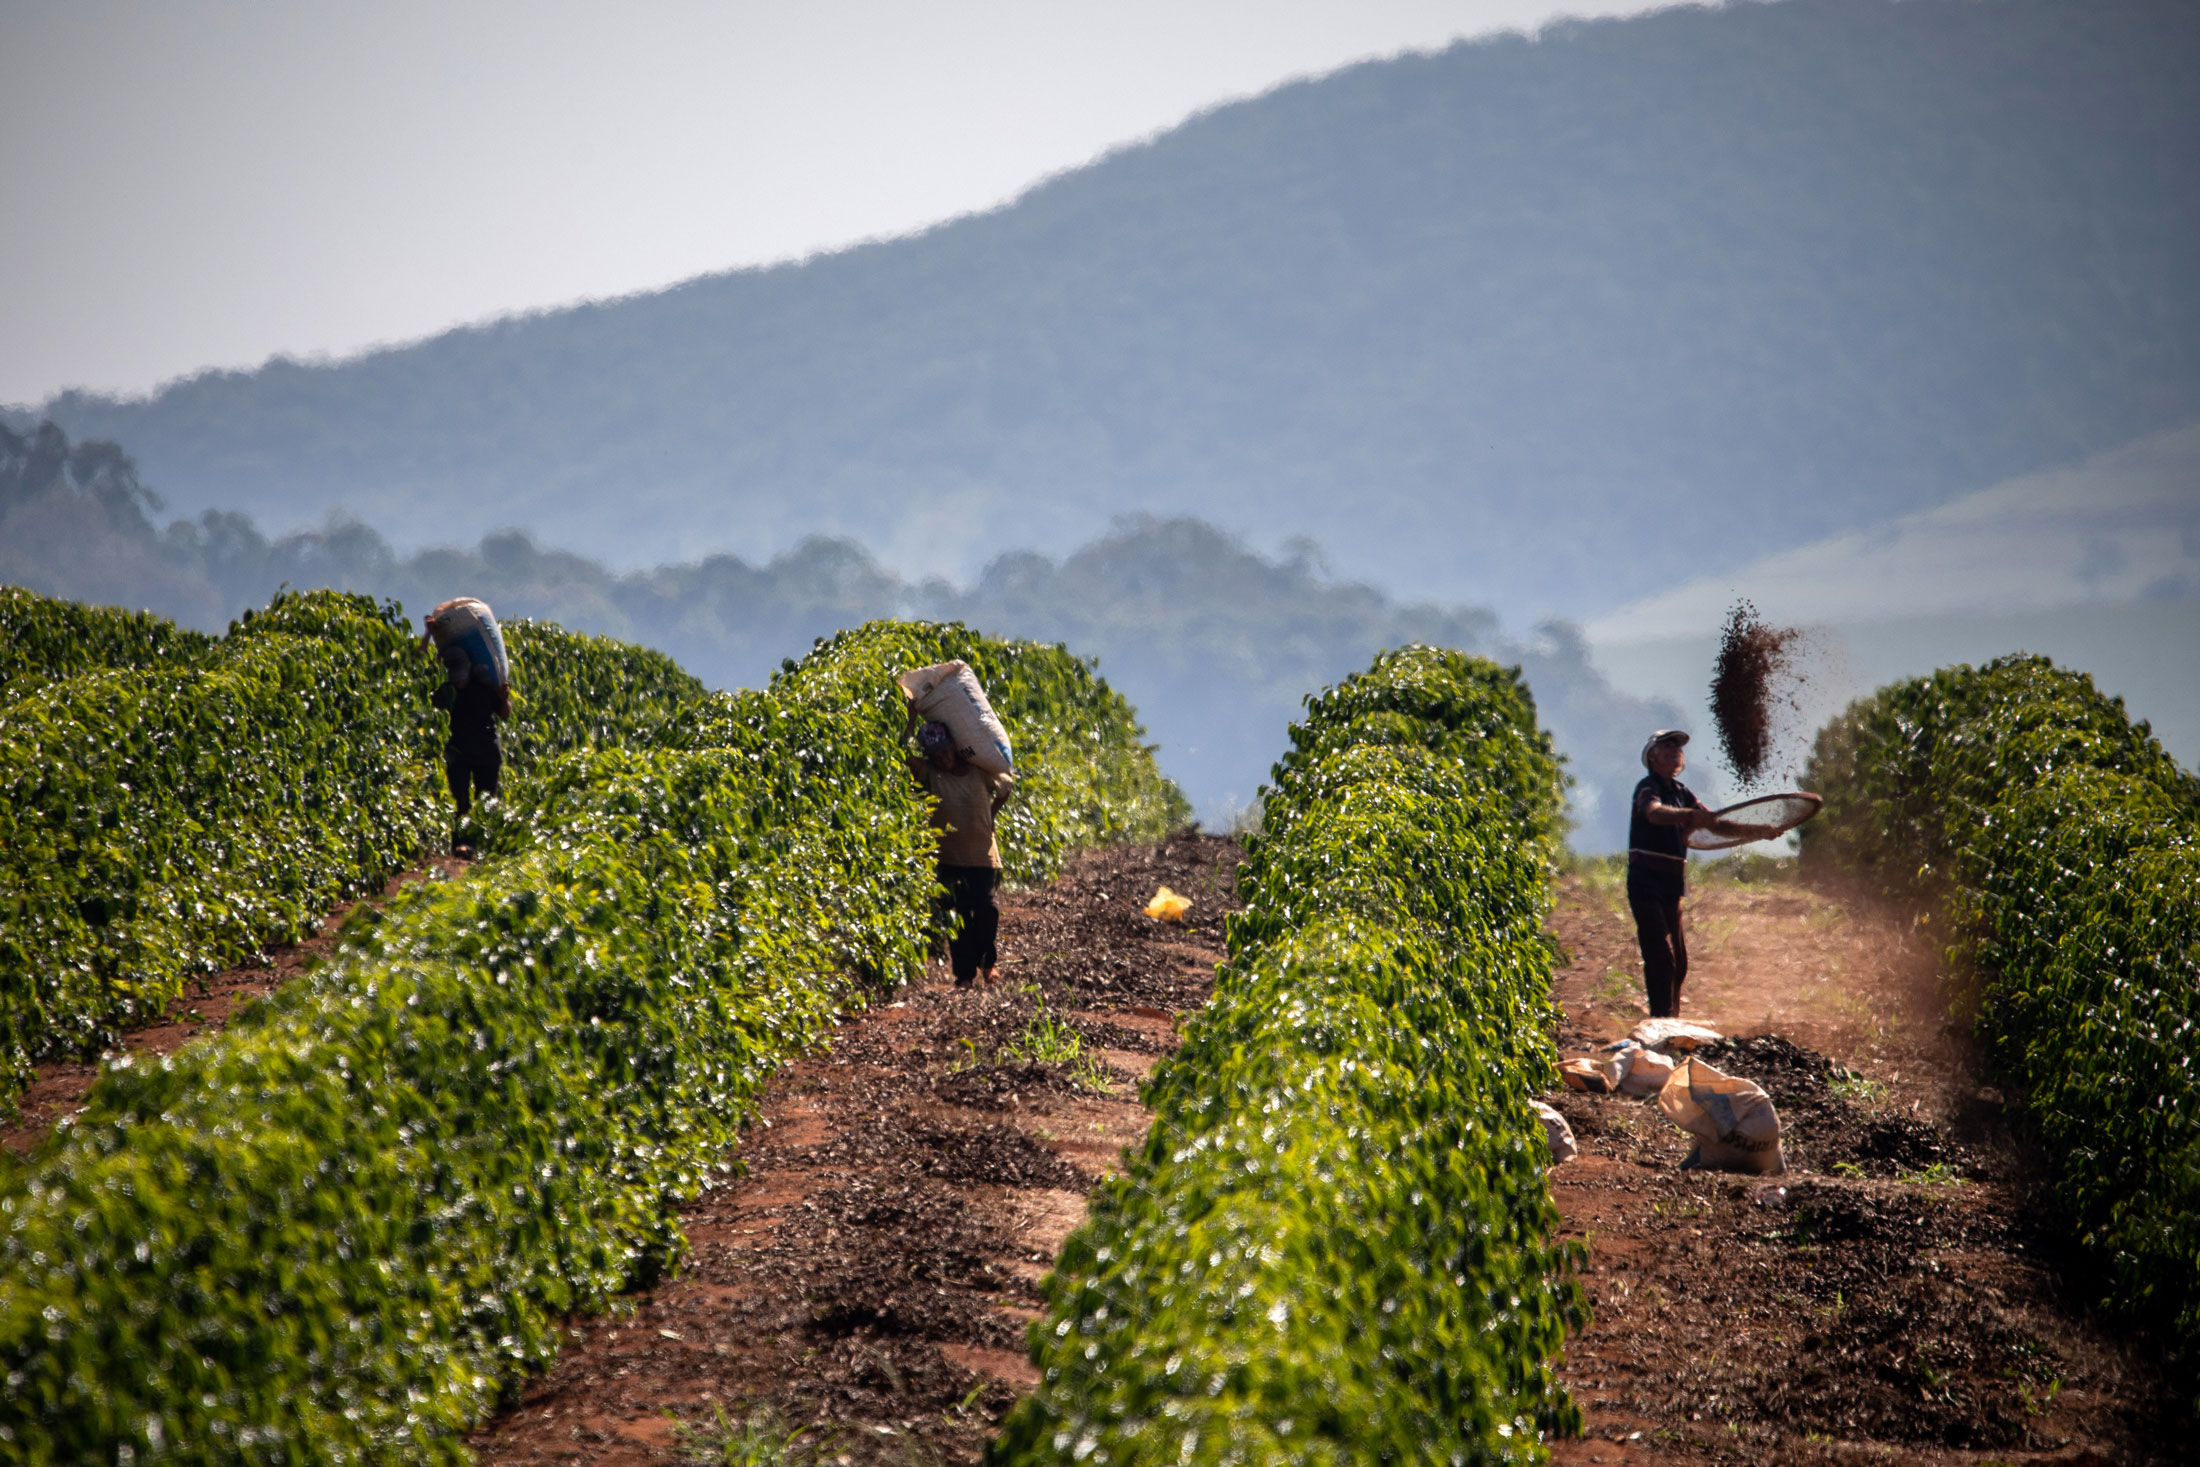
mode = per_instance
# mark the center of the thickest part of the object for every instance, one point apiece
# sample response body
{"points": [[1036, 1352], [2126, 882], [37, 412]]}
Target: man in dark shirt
{"points": [[1665, 810], [471, 756]]}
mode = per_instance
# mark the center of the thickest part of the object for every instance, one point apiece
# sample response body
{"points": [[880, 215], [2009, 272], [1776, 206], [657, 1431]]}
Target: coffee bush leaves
{"points": [[172, 804], [1336, 1244], [2064, 844], [349, 1225]]}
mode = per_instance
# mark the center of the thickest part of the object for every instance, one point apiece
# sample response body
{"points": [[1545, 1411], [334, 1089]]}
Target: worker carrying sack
{"points": [[466, 633], [1732, 1119], [948, 692]]}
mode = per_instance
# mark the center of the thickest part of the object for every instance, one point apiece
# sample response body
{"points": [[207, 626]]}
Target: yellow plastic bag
{"points": [[1167, 906]]}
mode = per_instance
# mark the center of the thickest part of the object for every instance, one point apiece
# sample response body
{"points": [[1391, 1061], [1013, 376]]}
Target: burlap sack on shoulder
{"points": [[950, 692]]}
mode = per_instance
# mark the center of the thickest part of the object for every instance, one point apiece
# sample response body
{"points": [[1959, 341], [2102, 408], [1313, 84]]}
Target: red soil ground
{"points": [[1901, 1295], [868, 1282]]}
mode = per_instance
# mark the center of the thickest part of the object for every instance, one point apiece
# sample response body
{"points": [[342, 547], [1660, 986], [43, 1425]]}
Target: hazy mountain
{"points": [[1534, 323], [2122, 526], [2145, 652], [1215, 643], [2096, 564]]}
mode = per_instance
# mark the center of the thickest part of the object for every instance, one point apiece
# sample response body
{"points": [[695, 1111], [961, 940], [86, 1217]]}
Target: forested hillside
{"points": [[1481, 322], [1219, 641]]}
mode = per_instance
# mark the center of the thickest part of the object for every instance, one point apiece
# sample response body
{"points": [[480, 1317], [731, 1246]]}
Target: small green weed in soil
{"points": [[760, 1439], [1046, 1040]]}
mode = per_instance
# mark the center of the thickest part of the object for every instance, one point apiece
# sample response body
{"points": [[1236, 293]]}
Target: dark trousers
{"points": [[471, 770], [970, 897], [1657, 908]]}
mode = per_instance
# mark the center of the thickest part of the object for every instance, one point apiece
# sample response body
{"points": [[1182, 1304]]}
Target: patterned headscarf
{"points": [[934, 737]]}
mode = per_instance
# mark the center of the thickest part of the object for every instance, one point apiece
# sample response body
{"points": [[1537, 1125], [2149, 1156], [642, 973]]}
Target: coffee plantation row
{"points": [[41, 637], [171, 803], [1336, 1244], [2066, 846], [1082, 776], [343, 1229]]}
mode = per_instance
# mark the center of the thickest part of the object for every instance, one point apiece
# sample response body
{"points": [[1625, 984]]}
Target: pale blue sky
{"points": [[198, 184]]}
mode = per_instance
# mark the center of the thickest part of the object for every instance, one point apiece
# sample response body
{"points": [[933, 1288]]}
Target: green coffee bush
{"points": [[1335, 1245], [1910, 772], [41, 637], [2065, 846], [343, 1229], [158, 821], [338, 1231], [572, 691], [1084, 776], [171, 804], [1470, 711]]}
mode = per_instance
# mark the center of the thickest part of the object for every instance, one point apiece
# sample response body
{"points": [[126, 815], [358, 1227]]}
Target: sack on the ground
{"points": [[1167, 906], [1644, 1072], [1596, 1077], [1632, 1069], [1557, 1132], [1732, 1119], [1672, 1036], [471, 627], [948, 692]]}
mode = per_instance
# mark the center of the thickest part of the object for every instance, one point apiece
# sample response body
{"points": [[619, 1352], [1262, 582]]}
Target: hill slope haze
{"points": [[1486, 324]]}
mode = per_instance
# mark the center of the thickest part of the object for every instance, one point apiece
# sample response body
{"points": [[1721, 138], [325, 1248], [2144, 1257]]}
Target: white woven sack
{"points": [[1633, 1069], [1646, 1073], [948, 692], [1557, 1132], [1737, 1129], [473, 626], [1671, 1036]]}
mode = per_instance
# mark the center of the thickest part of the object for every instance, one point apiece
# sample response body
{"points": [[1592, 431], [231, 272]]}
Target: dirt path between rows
{"points": [[1900, 1295], [867, 1283], [204, 1008]]}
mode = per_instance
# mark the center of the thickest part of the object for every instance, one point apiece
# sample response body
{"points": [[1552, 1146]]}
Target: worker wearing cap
{"points": [[1664, 811]]}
